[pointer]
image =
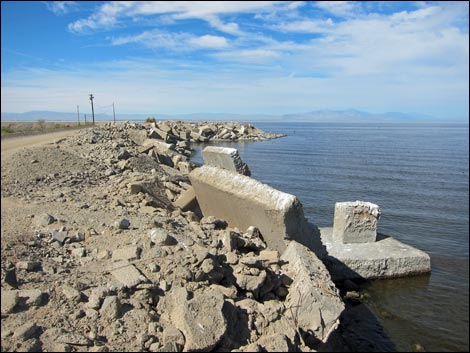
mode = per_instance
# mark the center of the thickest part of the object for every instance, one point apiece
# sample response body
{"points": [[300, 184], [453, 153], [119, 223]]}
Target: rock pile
{"points": [[96, 257], [172, 131]]}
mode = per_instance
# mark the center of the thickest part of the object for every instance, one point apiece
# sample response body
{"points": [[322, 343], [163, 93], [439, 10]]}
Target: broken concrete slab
{"points": [[355, 222], [9, 300], [128, 253], [385, 258], [225, 158], [34, 297], [313, 300], [160, 146], [201, 321], [127, 274], [187, 200], [244, 202], [28, 265]]}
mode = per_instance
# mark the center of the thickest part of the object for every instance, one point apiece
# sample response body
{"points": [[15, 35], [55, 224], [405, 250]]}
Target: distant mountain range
{"points": [[340, 116]]}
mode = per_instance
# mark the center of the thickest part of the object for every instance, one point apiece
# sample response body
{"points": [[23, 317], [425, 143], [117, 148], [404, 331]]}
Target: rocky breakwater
{"points": [[97, 257], [171, 131]]}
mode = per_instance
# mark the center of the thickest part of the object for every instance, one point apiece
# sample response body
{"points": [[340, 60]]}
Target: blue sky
{"points": [[236, 57]]}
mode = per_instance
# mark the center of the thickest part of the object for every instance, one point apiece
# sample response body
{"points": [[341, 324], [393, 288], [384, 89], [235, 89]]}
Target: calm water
{"points": [[418, 175]]}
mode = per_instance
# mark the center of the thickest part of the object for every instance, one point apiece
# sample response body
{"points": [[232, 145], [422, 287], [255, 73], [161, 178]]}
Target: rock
{"points": [[45, 219], [249, 282], [187, 200], [127, 275], [213, 221], [111, 308], [123, 154], [78, 252], [28, 265], [60, 236], [123, 224], [26, 331], [159, 237], [173, 336], [96, 297], [9, 300], [128, 253], [34, 297], [200, 320], [71, 293], [313, 298], [274, 343]]}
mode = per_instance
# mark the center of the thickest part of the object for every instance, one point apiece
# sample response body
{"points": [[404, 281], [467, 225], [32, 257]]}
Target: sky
{"points": [[241, 57]]}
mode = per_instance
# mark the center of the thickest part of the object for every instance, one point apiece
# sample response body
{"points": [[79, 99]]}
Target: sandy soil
{"points": [[13, 144]]}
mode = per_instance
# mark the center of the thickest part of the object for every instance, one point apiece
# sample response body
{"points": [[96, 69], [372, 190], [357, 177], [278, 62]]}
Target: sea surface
{"points": [[418, 175]]}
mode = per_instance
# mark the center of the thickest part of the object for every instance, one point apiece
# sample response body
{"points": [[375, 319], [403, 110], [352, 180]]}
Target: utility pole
{"points": [[114, 114], [92, 110], [85, 119], [78, 115]]}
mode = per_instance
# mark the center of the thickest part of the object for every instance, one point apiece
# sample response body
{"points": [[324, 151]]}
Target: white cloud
{"points": [[306, 26], [209, 41], [340, 8], [255, 56], [61, 7], [109, 13], [173, 41]]}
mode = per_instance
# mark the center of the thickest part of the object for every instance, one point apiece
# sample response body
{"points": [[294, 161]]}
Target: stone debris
{"points": [[129, 262], [314, 301], [9, 300], [243, 201]]}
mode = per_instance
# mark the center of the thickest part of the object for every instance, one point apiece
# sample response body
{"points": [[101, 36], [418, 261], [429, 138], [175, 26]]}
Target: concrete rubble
{"points": [[110, 251], [225, 158], [384, 258], [356, 251], [243, 201]]}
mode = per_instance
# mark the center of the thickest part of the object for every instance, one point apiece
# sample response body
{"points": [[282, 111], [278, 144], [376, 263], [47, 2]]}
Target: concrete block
{"points": [[244, 202], [386, 258], [313, 298], [187, 200], [355, 222], [225, 158]]}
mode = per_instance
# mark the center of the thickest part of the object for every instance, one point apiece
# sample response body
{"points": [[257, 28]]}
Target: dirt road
{"points": [[11, 145]]}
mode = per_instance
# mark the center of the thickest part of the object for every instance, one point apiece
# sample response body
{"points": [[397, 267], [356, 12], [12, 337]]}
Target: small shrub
{"points": [[150, 120], [7, 130], [42, 124]]}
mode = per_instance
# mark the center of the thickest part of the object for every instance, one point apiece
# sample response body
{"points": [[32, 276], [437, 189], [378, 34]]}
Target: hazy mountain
{"points": [[340, 116]]}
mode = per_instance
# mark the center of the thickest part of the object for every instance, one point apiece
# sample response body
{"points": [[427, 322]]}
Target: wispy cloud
{"points": [[340, 8], [173, 41], [61, 7], [264, 57], [109, 13]]}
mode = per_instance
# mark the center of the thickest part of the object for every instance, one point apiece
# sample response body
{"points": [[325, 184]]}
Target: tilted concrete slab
{"points": [[385, 258], [313, 301], [243, 202], [225, 158], [187, 200]]}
